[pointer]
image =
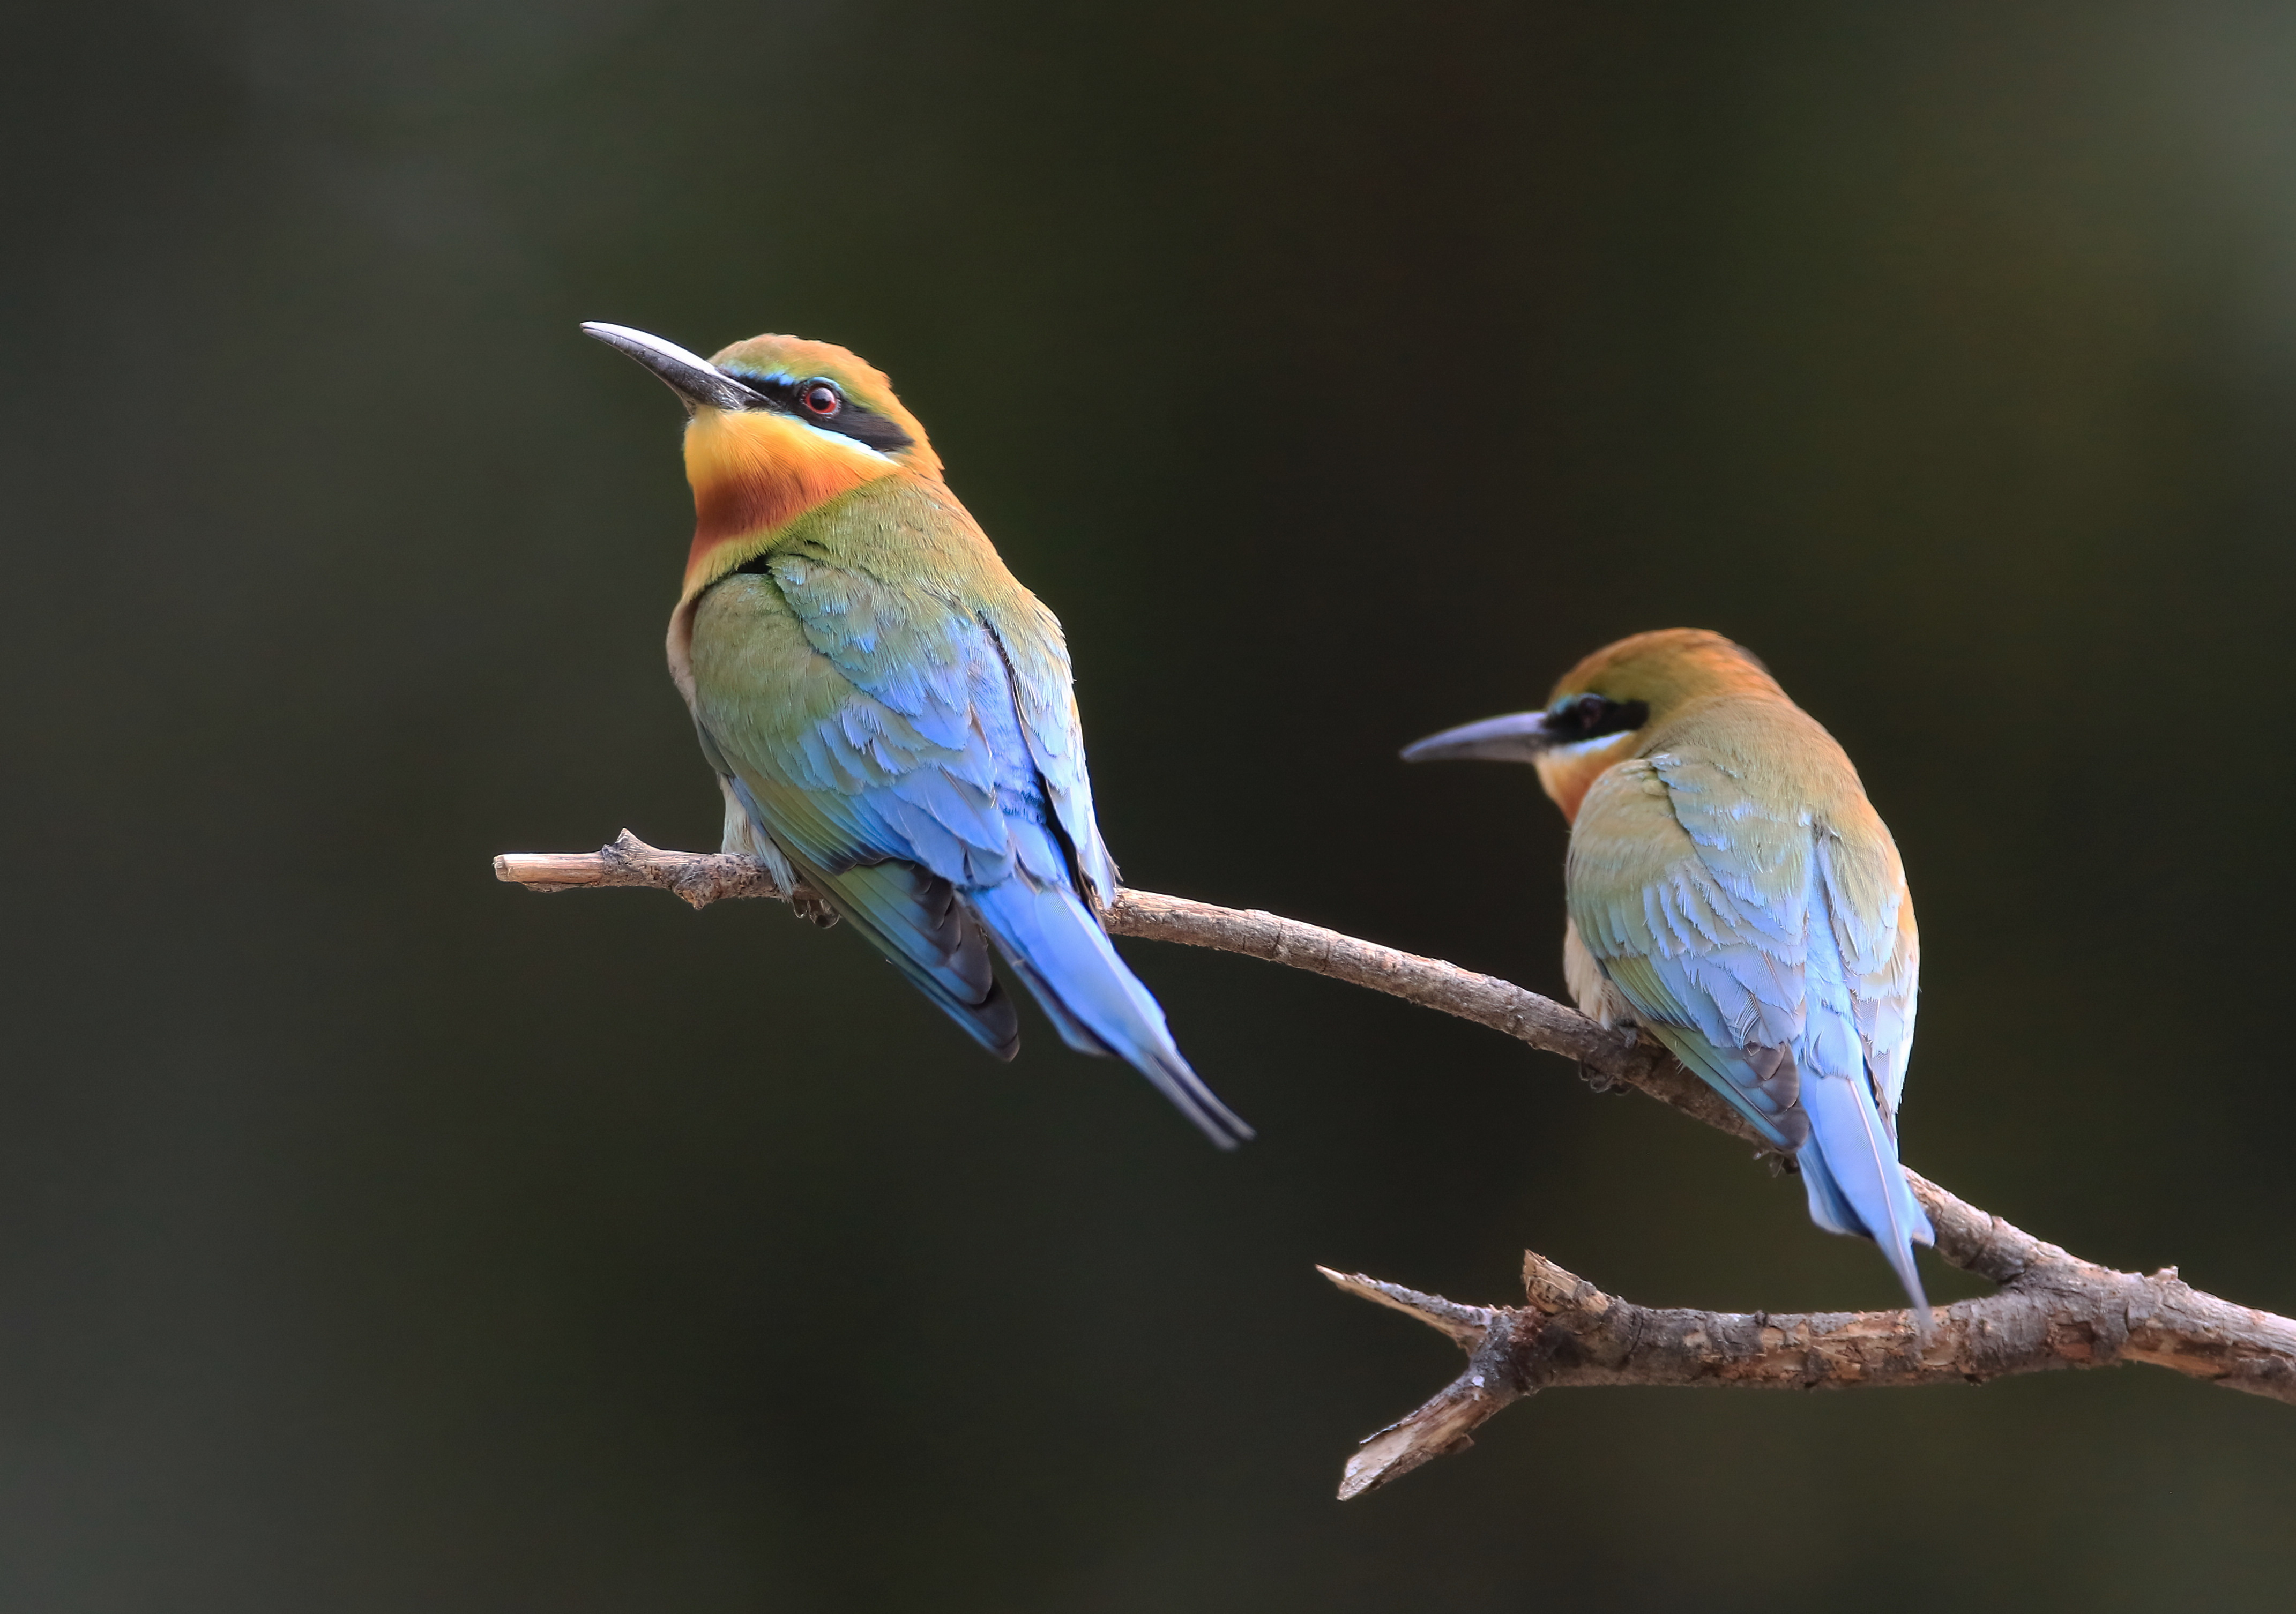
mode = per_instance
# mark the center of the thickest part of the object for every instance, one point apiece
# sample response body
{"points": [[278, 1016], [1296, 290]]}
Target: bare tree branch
{"points": [[2055, 1309], [2067, 1313]]}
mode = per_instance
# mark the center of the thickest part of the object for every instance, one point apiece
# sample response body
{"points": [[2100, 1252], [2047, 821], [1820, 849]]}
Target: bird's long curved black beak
{"points": [[1517, 737], [694, 379]]}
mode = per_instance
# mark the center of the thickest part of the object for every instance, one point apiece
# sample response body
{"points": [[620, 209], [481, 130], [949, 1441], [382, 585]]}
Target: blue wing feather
{"points": [[877, 735], [1724, 922]]}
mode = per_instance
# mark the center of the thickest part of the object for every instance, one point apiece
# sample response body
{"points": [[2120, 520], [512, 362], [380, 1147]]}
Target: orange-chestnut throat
{"points": [[757, 471], [1567, 771]]}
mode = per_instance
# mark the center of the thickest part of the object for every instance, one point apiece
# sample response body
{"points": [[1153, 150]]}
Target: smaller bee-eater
{"points": [[1732, 891], [888, 710]]}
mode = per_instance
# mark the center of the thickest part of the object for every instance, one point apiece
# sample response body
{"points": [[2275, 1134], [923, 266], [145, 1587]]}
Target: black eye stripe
{"points": [[855, 419], [1591, 716]]}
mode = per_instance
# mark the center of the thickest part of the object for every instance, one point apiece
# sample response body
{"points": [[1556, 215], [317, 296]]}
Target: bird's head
{"points": [[1605, 709], [776, 426]]}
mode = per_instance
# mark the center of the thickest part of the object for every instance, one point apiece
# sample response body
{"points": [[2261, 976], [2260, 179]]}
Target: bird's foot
{"points": [[813, 910], [1600, 1081]]}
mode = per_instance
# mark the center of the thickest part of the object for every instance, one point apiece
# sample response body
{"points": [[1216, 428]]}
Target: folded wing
{"points": [[925, 772], [1765, 940]]}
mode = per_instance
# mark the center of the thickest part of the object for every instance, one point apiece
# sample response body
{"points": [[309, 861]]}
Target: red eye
{"points": [[822, 399]]}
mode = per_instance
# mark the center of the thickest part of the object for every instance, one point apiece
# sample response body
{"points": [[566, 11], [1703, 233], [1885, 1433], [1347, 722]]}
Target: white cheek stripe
{"points": [[784, 378], [1588, 748], [842, 441]]}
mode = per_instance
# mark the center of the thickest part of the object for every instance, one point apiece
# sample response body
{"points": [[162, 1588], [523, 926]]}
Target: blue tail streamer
{"points": [[1094, 1000], [1849, 1168]]}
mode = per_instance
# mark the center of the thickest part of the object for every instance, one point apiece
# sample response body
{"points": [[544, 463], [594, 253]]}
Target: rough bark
{"points": [[2062, 1313], [2053, 1309]]}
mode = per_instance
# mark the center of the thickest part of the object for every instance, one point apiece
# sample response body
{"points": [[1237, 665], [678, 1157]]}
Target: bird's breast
{"points": [[754, 473]]}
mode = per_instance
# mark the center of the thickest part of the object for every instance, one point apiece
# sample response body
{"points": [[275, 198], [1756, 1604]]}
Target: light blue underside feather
{"points": [[1849, 1168]]}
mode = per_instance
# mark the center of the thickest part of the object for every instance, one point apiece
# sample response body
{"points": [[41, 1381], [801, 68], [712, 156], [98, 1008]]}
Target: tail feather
{"points": [[1782, 1127], [915, 920], [1096, 1003], [1849, 1168]]}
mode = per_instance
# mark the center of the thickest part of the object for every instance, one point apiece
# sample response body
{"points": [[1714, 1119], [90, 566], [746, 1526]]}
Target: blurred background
{"points": [[374, 1237]]}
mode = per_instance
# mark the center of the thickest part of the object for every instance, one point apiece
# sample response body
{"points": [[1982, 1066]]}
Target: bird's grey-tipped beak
{"points": [[1517, 737], [694, 379]]}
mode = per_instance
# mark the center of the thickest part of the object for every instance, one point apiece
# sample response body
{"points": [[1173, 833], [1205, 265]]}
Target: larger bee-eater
{"points": [[888, 710], [1732, 891]]}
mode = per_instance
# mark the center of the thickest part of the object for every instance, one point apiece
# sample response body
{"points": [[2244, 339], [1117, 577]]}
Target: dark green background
{"points": [[376, 1238]]}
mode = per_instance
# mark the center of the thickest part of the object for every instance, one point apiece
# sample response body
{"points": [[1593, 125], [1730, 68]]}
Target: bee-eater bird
{"points": [[888, 710], [1732, 891]]}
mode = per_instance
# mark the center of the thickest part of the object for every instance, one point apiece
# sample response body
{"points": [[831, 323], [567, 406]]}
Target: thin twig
{"points": [[701, 878], [2055, 1309]]}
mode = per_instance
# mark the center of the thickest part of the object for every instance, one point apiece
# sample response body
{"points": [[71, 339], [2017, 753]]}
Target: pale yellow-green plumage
{"points": [[1732, 891]]}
